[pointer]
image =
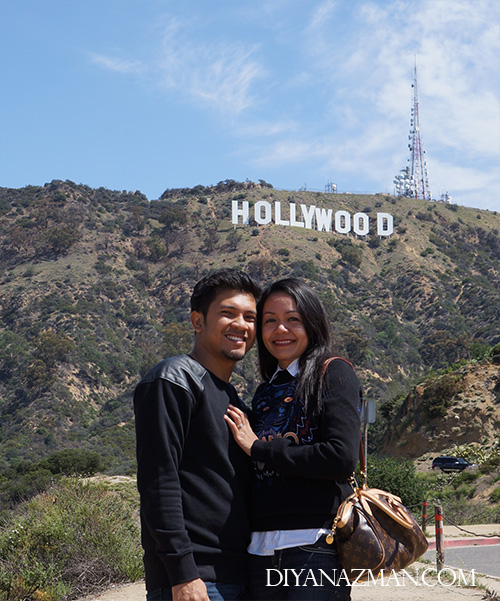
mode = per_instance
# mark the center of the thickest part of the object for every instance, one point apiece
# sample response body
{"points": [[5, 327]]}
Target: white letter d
{"points": [[268, 583]]}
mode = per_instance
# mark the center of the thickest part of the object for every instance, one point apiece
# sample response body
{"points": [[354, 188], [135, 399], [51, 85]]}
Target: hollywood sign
{"points": [[310, 217]]}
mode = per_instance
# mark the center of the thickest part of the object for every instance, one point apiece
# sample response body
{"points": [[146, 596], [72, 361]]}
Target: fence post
{"points": [[438, 517], [424, 515]]}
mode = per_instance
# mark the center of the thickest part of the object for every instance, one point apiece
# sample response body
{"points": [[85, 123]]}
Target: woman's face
{"points": [[283, 331]]}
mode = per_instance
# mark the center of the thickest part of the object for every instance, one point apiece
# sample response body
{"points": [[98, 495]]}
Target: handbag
{"points": [[374, 532]]}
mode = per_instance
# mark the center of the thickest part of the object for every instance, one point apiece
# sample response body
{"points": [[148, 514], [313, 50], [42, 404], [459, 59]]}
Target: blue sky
{"points": [[154, 94]]}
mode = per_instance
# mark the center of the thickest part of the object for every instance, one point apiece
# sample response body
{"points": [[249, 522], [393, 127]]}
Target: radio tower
{"points": [[413, 181]]}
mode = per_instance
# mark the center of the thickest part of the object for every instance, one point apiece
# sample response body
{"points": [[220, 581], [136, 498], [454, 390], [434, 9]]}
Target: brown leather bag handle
{"points": [[328, 361]]}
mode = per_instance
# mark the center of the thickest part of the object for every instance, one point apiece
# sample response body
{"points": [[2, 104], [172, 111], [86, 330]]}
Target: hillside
{"points": [[95, 289], [460, 407]]}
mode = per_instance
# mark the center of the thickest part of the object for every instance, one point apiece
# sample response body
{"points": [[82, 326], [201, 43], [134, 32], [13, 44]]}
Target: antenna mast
{"points": [[413, 181]]}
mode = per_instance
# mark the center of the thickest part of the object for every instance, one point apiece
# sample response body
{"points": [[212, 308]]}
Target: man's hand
{"points": [[194, 590]]}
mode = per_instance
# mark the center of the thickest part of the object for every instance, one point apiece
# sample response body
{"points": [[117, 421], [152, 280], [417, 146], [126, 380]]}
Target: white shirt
{"points": [[266, 543], [292, 369]]}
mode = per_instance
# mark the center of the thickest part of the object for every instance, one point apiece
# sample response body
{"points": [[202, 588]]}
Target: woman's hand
{"points": [[240, 427]]}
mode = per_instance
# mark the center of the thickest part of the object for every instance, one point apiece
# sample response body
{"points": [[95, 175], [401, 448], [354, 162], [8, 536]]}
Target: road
{"points": [[484, 559]]}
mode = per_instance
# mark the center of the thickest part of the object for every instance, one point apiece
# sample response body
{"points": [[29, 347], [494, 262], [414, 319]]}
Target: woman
{"points": [[304, 444]]}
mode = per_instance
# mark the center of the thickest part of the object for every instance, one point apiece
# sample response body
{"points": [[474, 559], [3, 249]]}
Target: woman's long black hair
{"points": [[317, 327]]}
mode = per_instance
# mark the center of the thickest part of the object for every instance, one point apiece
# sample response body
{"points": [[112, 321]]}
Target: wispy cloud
{"points": [[322, 13], [478, 187], [219, 75], [256, 128], [119, 65]]}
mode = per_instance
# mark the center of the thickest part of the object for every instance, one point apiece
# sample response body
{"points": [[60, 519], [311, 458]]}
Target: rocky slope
{"points": [[461, 407]]}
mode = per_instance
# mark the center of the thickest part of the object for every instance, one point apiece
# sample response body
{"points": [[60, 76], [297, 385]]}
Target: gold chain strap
{"points": [[354, 485]]}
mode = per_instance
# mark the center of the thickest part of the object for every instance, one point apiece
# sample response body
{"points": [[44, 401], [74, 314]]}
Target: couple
{"points": [[231, 497]]}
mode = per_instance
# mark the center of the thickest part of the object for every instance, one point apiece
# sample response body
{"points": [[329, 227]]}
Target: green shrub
{"points": [[233, 239], [13, 351], [156, 247], [351, 254], [69, 541], [24, 486], [53, 347], [73, 462], [438, 394], [305, 269], [487, 459], [103, 268], [495, 495], [61, 237], [398, 477], [28, 479], [470, 512], [465, 477], [491, 463]]}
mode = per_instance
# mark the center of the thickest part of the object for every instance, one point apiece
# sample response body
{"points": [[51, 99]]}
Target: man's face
{"points": [[228, 330]]}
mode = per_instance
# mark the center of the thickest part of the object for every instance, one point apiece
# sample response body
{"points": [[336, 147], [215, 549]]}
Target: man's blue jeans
{"points": [[216, 592], [279, 577]]}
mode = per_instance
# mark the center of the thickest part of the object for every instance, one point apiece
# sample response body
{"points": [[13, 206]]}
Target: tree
{"points": [[439, 348], [210, 240], [178, 338], [397, 477], [233, 239], [73, 462], [61, 237], [157, 248], [52, 347], [351, 254], [13, 351], [173, 216]]}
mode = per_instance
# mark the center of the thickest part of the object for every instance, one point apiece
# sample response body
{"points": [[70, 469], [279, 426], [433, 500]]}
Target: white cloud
{"points": [[220, 75], [468, 185], [256, 128], [117, 64], [322, 13], [225, 80], [289, 150]]}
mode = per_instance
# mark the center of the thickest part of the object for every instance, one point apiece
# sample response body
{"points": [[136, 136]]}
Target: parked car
{"points": [[450, 464]]}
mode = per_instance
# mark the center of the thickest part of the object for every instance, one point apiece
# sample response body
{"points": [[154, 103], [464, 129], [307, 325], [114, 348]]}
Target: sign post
{"points": [[368, 410]]}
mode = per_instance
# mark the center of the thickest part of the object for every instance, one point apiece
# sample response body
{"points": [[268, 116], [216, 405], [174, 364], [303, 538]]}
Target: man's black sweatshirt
{"points": [[192, 477]]}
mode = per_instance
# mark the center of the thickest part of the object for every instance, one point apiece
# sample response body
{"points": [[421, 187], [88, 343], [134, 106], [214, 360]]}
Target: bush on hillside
{"points": [[28, 479], [350, 253], [470, 512], [73, 462], [439, 393], [454, 492], [73, 539]]}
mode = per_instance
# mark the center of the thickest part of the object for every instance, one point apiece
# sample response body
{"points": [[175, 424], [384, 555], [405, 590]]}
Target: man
{"points": [[192, 476]]}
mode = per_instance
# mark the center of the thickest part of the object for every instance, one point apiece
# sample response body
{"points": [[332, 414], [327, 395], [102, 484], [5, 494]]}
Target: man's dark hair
{"points": [[209, 286]]}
